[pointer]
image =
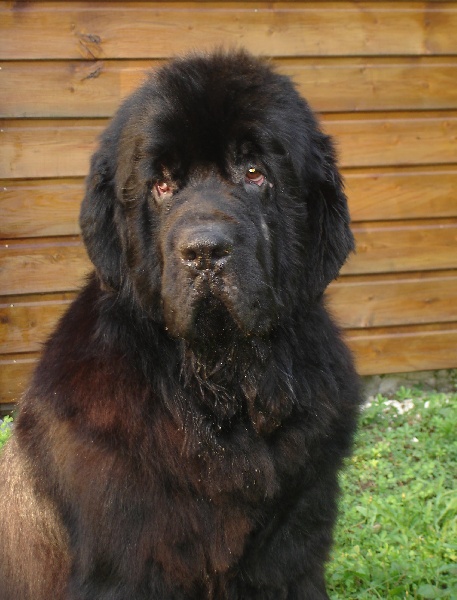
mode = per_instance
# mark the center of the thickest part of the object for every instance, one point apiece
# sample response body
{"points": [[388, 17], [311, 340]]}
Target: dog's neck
{"points": [[239, 383]]}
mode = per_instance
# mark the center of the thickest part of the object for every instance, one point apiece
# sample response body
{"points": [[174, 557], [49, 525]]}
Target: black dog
{"points": [[183, 431]]}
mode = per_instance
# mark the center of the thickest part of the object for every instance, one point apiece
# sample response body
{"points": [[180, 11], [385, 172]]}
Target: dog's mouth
{"points": [[216, 312], [212, 323], [202, 314]]}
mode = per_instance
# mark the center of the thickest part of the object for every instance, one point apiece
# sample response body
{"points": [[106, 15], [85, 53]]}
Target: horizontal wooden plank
{"points": [[394, 299], [404, 349], [61, 148], [403, 193], [59, 264], [40, 208], [95, 88], [394, 139], [26, 321], [42, 265], [157, 29], [15, 372], [47, 148], [375, 84], [385, 247], [68, 88], [392, 350]]}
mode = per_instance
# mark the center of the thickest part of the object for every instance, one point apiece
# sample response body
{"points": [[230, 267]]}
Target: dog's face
{"points": [[215, 199], [217, 254]]}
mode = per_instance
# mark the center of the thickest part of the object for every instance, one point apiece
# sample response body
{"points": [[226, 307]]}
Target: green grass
{"points": [[5, 429], [397, 533]]}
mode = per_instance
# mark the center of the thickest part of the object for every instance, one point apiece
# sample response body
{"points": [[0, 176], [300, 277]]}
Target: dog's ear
{"points": [[331, 239], [98, 220]]}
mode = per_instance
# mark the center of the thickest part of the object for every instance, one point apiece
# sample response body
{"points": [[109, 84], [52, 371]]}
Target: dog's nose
{"points": [[205, 248]]}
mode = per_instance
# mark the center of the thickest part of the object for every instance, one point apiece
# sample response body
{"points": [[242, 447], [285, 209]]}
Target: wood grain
{"points": [[15, 372], [375, 84], [47, 148], [90, 30], [404, 349], [387, 247], [42, 265], [26, 321], [82, 89], [68, 88], [402, 193], [39, 208], [394, 299], [394, 139]]}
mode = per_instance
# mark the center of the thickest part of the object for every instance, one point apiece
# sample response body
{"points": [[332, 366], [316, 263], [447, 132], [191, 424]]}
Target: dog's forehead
{"points": [[203, 133], [222, 110], [216, 95]]}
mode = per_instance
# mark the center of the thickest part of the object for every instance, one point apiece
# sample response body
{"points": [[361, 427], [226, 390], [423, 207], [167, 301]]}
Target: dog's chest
{"points": [[211, 505]]}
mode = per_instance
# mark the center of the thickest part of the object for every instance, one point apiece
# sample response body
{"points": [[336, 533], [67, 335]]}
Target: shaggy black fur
{"points": [[183, 431]]}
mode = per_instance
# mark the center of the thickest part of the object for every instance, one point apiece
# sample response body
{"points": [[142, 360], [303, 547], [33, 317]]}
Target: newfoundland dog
{"points": [[183, 432]]}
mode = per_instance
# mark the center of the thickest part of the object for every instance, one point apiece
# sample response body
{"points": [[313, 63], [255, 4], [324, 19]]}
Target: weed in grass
{"points": [[397, 532]]}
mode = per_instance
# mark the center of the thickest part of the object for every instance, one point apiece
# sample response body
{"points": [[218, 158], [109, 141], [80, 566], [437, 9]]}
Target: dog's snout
{"points": [[205, 248]]}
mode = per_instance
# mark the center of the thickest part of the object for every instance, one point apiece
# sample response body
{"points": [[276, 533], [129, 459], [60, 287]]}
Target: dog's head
{"points": [[215, 199]]}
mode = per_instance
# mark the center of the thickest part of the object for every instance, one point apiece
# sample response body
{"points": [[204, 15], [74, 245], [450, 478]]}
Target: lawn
{"points": [[397, 532]]}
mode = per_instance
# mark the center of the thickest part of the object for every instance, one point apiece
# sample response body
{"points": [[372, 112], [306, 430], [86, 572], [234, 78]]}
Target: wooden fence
{"points": [[383, 76]]}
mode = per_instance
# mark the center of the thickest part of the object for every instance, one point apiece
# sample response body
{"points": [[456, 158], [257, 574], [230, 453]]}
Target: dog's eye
{"points": [[162, 187], [253, 175], [163, 190]]}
